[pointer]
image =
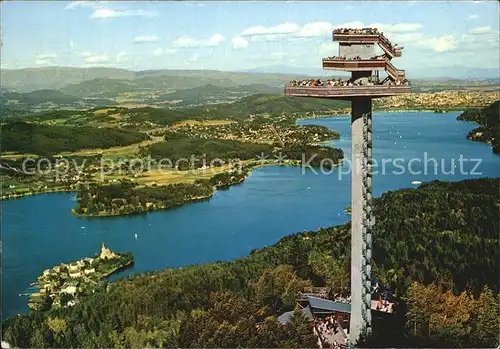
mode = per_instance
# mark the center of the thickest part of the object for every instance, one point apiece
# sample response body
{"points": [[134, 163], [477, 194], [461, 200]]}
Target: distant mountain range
{"points": [[455, 72], [436, 73], [30, 79], [55, 78]]}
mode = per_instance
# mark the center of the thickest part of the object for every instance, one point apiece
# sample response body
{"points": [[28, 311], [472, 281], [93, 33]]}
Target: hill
{"points": [[16, 103], [34, 98], [235, 304], [23, 137], [489, 119], [147, 85], [259, 104], [30, 79], [213, 94], [100, 87]]}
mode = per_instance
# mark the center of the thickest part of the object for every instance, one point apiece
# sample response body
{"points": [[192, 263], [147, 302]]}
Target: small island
{"points": [[62, 285]]}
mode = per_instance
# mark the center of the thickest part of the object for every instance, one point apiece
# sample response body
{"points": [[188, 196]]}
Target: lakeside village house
{"points": [[81, 268]]}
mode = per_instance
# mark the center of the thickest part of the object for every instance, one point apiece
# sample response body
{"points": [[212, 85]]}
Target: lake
{"points": [[40, 231]]}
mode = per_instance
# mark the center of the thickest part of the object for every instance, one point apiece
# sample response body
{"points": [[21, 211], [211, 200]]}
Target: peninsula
{"points": [[489, 120], [63, 285]]}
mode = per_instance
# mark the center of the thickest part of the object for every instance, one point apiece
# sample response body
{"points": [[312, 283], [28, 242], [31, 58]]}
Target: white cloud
{"points": [[239, 42], [439, 44], [191, 4], [98, 58], [160, 52], [43, 62], [91, 4], [285, 28], [121, 56], [48, 56], [402, 27], [315, 29], [105, 13], [170, 51], [474, 16], [188, 42], [290, 31], [480, 30], [276, 56], [255, 56], [329, 49], [194, 57], [268, 38], [185, 41], [45, 58], [144, 39], [467, 39], [406, 38], [214, 40], [85, 54]]}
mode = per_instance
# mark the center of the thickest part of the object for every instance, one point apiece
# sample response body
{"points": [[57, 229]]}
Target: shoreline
{"points": [[295, 163], [397, 110], [23, 195]]}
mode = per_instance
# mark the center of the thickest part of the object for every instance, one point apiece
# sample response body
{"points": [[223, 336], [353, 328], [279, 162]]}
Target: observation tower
{"points": [[357, 55]]}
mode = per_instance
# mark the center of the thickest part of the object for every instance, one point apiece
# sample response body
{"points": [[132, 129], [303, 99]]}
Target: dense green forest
{"points": [[23, 137], [437, 246], [489, 119]]}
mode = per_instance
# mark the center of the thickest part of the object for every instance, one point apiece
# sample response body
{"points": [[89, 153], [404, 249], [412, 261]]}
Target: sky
{"points": [[240, 36]]}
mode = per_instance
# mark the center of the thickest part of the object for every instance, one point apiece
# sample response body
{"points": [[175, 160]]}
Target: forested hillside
{"points": [[212, 93], [274, 105], [23, 137], [437, 246], [16, 104], [489, 119]]}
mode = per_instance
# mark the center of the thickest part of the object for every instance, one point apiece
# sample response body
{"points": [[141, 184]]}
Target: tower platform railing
{"points": [[346, 92], [334, 63], [378, 38]]}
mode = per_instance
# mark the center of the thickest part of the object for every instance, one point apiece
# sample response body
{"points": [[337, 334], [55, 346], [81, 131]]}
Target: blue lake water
{"points": [[39, 232]]}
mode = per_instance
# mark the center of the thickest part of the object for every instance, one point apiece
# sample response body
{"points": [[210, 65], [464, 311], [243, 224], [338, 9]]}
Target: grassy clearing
{"points": [[164, 177], [202, 123], [126, 150]]}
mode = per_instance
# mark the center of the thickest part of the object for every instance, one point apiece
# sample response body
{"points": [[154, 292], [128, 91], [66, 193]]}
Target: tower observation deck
{"points": [[357, 55]]}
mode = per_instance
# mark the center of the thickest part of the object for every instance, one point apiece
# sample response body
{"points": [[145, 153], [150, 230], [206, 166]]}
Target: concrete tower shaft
{"points": [[361, 222]]}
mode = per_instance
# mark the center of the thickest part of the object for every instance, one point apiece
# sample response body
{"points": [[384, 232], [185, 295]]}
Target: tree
{"points": [[301, 331], [335, 272], [58, 327], [486, 319]]}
